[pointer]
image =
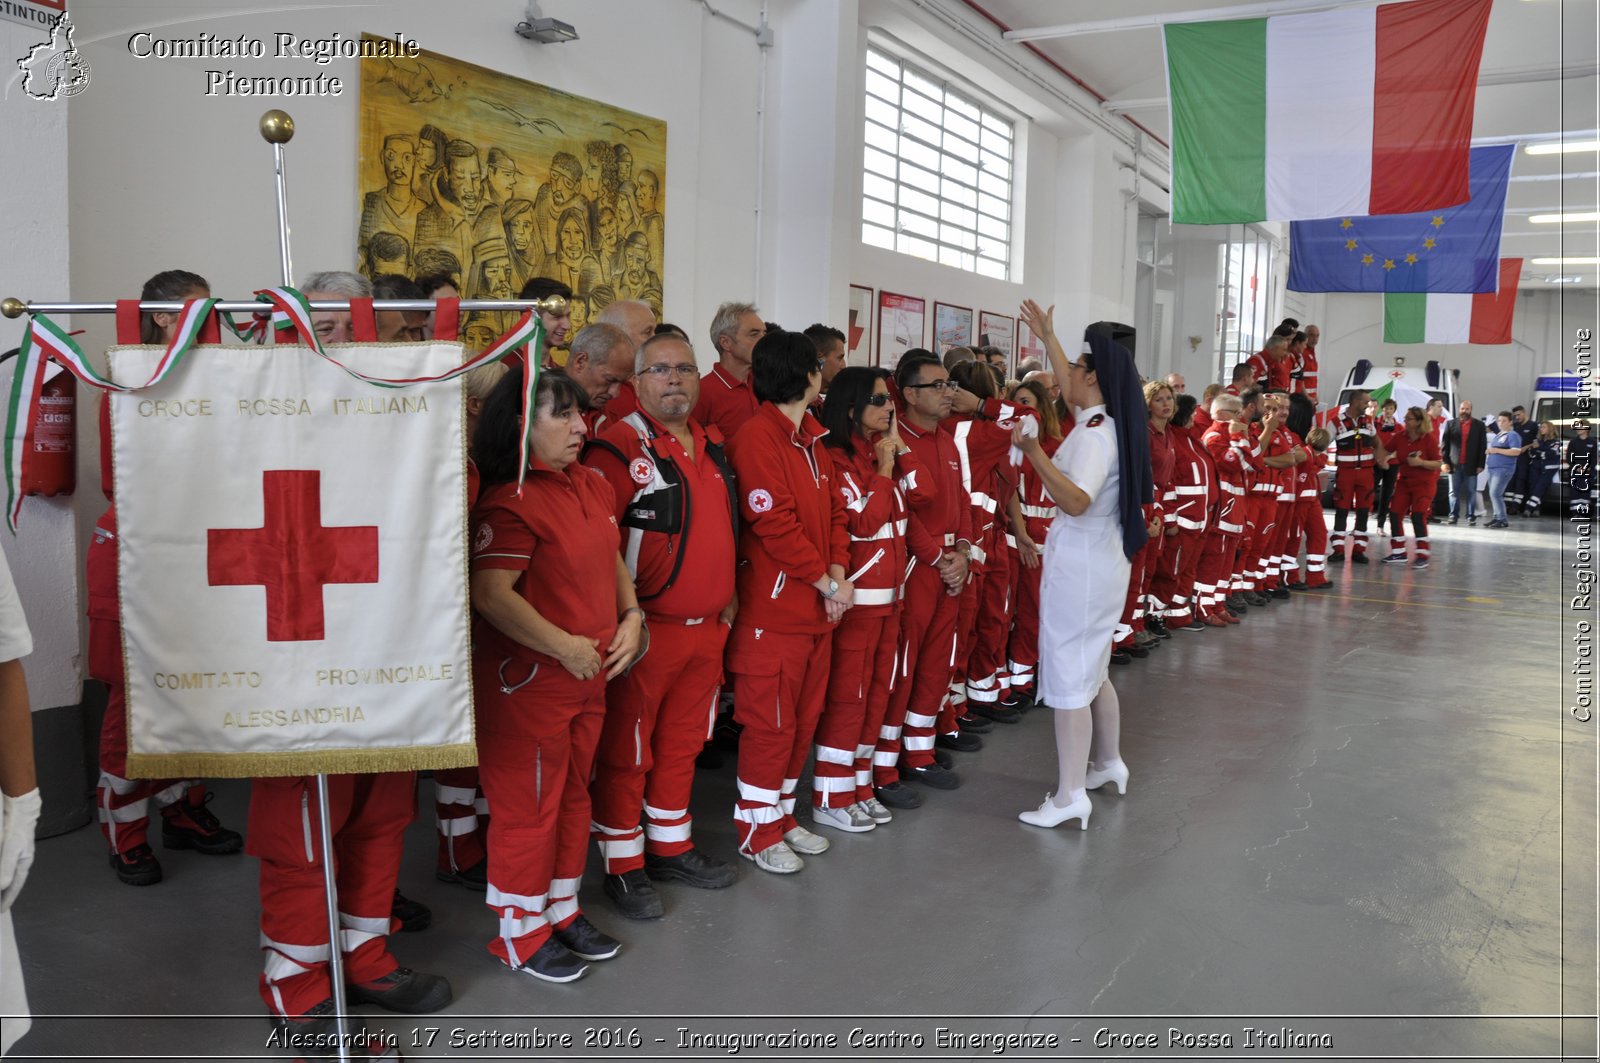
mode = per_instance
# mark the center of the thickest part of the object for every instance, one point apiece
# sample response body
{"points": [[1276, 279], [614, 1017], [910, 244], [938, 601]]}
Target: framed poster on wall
{"points": [[952, 327], [900, 319], [1029, 345], [998, 330], [858, 333]]}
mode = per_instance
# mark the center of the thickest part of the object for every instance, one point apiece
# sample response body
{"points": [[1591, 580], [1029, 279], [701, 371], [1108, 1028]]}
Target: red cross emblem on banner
{"points": [[292, 555]]}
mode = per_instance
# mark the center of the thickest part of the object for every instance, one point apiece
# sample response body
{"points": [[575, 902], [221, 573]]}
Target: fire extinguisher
{"points": [[52, 465]]}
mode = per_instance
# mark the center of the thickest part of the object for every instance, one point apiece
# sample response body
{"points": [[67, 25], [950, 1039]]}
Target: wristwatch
{"points": [[833, 588]]}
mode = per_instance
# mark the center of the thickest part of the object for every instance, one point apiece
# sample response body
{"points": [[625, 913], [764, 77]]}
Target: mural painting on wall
{"points": [[494, 180]]}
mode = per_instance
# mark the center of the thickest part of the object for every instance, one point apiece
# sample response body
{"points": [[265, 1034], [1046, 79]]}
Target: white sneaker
{"points": [[803, 841], [878, 811], [779, 859], [853, 819]]}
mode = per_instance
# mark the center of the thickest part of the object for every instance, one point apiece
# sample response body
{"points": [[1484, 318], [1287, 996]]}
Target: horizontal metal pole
{"points": [[1135, 22]]}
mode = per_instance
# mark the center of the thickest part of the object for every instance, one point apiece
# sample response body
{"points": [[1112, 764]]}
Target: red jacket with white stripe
{"points": [[942, 517], [1162, 460], [1307, 482], [877, 512], [1236, 460], [1194, 481], [983, 439], [791, 521], [1038, 508], [1304, 376]]}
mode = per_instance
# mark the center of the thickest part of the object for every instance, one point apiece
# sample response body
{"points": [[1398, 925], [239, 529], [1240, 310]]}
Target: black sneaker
{"points": [[587, 941], [1158, 628], [315, 1034], [192, 826], [413, 915], [898, 795], [971, 724], [932, 775], [1472, 520], [1338, 558], [1020, 698], [693, 868], [1121, 657], [404, 990], [554, 962], [1360, 559], [1280, 593], [1136, 650], [475, 877], [1450, 520], [943, 758], [634, 895], [1254, 598], [961, 743], [1236, 603], [137, 866], [996, 711], [1194, 625]]}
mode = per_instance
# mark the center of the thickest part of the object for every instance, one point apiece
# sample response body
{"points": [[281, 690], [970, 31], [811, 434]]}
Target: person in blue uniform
{"points": [[1545, 460]]}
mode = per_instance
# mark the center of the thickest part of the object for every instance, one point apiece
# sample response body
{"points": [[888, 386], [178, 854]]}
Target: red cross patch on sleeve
{"points": [[760, 501], [640, 470]]}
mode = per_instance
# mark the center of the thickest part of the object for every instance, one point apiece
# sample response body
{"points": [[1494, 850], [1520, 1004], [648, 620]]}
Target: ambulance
{"points": [[1430, 379]]}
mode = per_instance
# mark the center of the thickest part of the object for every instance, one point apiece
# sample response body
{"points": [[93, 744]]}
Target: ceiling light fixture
{"points": [[1562, 147], [535, 27], [1568, 216]]}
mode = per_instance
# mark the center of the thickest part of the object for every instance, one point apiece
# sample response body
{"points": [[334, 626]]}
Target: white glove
{"points": [[18, 817], [1030, 428]]}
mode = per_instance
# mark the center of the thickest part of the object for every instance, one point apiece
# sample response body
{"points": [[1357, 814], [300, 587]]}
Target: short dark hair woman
{"points": [[556, 619], [875, 474], [1100, 480], [792, 591]]}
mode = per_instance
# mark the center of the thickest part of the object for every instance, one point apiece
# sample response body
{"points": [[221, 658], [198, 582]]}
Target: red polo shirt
{"points": [[626, 402], [704, 582], [562, 536], [725, 402]]}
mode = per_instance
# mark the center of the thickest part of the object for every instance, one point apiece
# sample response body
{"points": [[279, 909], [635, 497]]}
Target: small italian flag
{"points": [[1404, 395], [1327, 114], [1453, 317]]}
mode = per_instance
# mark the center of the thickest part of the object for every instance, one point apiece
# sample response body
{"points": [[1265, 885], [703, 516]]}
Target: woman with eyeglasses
{"points": [[1100, 481], [876, 472]]}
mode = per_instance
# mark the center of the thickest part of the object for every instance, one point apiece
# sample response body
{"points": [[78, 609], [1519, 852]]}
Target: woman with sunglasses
{"points": [[1100, 481], [875, 472]]}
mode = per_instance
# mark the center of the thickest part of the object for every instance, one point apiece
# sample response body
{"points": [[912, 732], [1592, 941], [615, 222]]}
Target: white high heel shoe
{"points": [[1116, 772], [1049, 815]]}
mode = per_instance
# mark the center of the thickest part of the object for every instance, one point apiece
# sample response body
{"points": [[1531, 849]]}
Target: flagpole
{"points": [[277, 128]]}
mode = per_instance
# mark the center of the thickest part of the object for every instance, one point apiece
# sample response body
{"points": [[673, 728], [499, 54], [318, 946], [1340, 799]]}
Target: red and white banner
{"points": [[293, 562]]}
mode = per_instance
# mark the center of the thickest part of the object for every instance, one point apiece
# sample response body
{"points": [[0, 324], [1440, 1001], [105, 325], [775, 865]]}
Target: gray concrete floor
{"points": [[1368, 803]]}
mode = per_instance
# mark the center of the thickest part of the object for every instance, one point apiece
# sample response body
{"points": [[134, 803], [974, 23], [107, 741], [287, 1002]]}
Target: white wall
{"points": [[44, 554]]}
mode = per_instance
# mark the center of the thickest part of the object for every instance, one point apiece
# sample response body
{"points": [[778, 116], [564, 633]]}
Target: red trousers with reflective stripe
{"points": [[988, 679], [865, 648], [966, 638], [368, 815], [124, 803], [1283, 525], [1024, 645], [1313, 528], [779, 684], [1174, 580], [927, 645], [460, 811], [1264, 525], [1218, 560], [658, 718], [536, 745], [1140, 575]]}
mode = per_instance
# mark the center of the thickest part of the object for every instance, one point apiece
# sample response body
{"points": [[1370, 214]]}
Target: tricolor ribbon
{"points": [[45, 340]]}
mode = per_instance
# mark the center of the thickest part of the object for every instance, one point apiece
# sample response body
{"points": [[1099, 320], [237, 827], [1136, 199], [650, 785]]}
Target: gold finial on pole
{"points": [[551, 304], [277, 127], [12, 307]]}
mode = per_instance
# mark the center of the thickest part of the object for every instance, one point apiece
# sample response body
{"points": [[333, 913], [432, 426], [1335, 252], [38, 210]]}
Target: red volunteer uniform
{"points": [[1258, 362], [1304, 376], [867, 640], [1038, 511], [1286, 548], [1235, 459], [626, 402], [1414, 488], [1194, 490], [460, 810], [1280, 373], [1143, 568], [677, 515], [1309, 523], [1355, 462], [1274, 487], [792, 530], [725, 402], [940, 520], [983, 441], [538, 725]]}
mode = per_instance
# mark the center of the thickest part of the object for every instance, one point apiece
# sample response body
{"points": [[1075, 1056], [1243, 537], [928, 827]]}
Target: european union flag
{"points": [[1456, 249]]}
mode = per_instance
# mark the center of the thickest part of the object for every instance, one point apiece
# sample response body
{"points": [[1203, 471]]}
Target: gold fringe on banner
{"points": [[308, 762]]}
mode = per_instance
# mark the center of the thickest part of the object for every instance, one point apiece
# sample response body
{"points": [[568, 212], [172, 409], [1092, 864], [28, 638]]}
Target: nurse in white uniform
{"points": [[1099, 478]]}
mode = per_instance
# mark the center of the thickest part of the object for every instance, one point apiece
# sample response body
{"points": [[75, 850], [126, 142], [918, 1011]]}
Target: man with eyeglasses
{"points": [[939, 535], [676, 504], [601, 360]]}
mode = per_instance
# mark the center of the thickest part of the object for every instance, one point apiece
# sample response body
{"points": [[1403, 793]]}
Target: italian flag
{"points": [[1339, 113], [1451, 317]]}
